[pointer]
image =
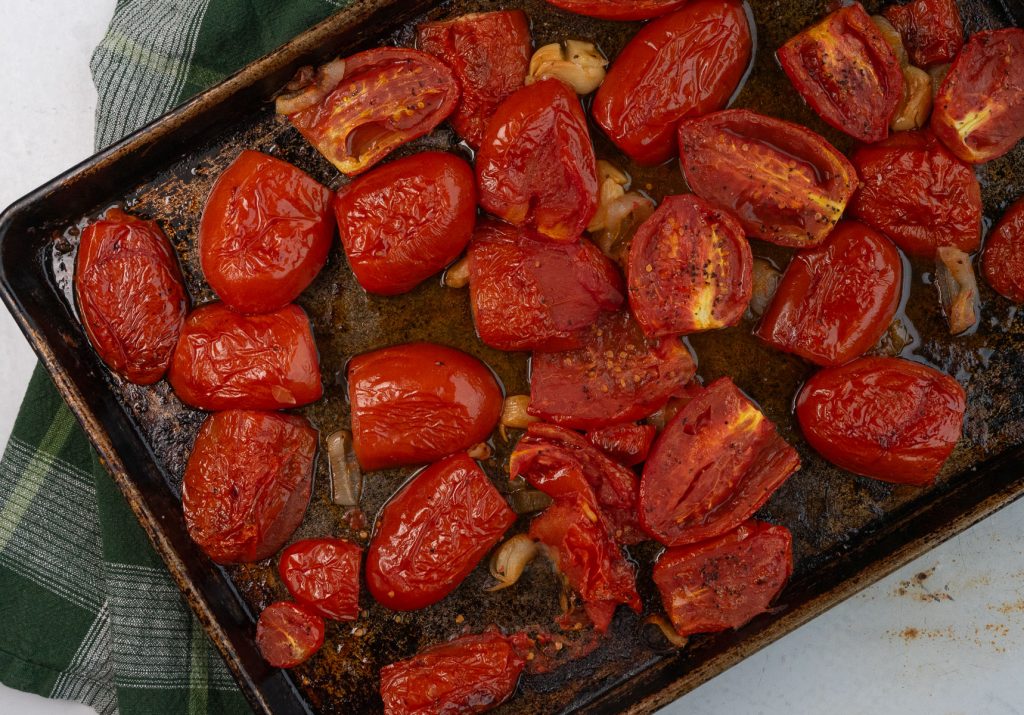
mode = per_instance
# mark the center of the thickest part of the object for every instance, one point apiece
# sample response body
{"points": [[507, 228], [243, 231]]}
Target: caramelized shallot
{"points": [[958, 288], [309, 86], [346, 476], [667, 630], [765, 281]]}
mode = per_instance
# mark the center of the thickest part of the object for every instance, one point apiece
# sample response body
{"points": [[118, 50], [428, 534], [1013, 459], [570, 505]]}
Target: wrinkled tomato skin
{"points": [[627, 443], [225, 360], [619, 9], [288, 634], [415, 403], [432, 533], [388, 96], [846, 71], [714, 465], [784, 183], [885, 418], [837, 299], [726, 581], [979, 109], [530, 293], [683, 65], [406, 220], [471, 674], [489, 52], [247, 483], [618, 375], [931, 30], [690, 269], [536, 165], [130, 294], [265, 233], [939, 201], [1002, 261], [323, 575]]}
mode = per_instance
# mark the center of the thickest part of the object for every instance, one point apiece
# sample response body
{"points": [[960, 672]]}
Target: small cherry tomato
{"points": [[979, 109], [130, 295], [1002, 261], [618, 375], [619, 9], [683, 65], [415, 403], [714, 465], [690, 269], [530, 293], [536, 165], [265, 233], [837, 299], [405, 221], [323, 575], [931, 30], [885, 418], [471, 674], [433, 532], [783, 182], [724, 582], [939, 201], [229, 361], [387, 97], [288, 634], [490, 55], [626, 443], [247, 483]]}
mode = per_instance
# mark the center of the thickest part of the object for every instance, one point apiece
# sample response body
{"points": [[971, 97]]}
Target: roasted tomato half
{"points": [[979, 109], [619, 9], [886, 418], [783, 182], [323, 574], [724, 582], [265, 233], [837, 299], [288, 634], [258, 362], [415, 403], [1002, 262], [433, 533], [683, 65], [405, 221], [939, 201], [627, 443], [490, 55], [471, 674], [618, 375], [847, 72], [536, 165], [130, 295], [689, 269], [371, 103], [531, 293], [247, 483], [931, 30], [714, 465]]}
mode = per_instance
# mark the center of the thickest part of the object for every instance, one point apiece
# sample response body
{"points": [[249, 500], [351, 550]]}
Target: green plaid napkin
{"points": [[87, 610]]}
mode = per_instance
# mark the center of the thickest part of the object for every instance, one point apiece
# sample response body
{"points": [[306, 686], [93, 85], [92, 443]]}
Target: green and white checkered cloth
{"points": [[87, 610]]}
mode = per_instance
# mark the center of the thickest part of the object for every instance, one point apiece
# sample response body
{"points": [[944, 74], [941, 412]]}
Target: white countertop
{"points": [[951, 643]]}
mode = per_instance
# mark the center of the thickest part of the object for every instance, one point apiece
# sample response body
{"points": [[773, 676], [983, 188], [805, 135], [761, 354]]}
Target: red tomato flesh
{"points": [[1002, 262], [323, 575], [619, 9], [627, 443], [931, 30], [288, 634]]}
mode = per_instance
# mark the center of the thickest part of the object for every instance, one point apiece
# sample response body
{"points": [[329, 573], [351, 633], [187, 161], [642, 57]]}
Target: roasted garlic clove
{"points": [[578, 64], [915, 106], [892, 38]]}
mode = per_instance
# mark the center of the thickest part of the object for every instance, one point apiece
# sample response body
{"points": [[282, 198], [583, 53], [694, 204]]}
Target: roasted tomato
{"points": [[886, 418], [323, 574], [689, 269], [471, 674], [979, 109], [130, 295], [716, 463], [837, 299], [415, 403], [1002, 262], [724, 582], [530, 293], [536, 165], [288, 634], [627, 443], [847, 72], [247, 483], [683, 65], [939, 201], [783, 182], [433, 533], [265, 233], [259, 362], [931, 30], [617, 376], [405, 221], [619, 9], [490, 55], [383, 98]]}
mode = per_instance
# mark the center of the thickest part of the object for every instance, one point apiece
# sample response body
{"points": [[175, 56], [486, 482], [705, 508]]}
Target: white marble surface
{"points": [[952, 644]]}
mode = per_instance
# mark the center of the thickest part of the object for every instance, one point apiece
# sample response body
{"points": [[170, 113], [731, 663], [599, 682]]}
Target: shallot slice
{"points": [[958, 288], [346, 476]]}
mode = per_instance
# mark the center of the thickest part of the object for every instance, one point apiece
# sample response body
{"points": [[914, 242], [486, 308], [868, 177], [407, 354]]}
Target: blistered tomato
{"points": [[931, 30], [626, 443], [1002, 262], [288, 634], [323, 574], [619, 9]]}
